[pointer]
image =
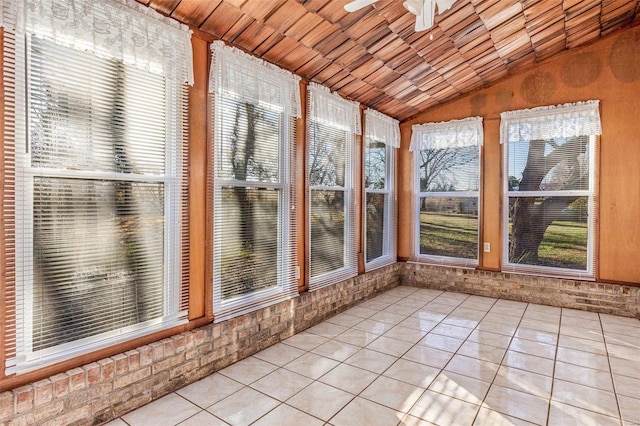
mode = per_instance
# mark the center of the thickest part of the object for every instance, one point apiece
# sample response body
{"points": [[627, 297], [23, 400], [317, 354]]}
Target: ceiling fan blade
{"points": [[357, 4], [444, 5], [424, 20]]}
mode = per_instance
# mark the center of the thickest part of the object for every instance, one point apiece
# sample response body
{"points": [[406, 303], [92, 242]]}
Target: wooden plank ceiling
{"points": [[374, 56]]}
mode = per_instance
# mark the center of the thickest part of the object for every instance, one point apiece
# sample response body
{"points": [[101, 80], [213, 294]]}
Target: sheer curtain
{"points": [[447, 134], [122, 30]]}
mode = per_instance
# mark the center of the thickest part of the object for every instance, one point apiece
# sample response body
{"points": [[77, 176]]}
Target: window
{"points": [[96, 155], [447, 183], [333, 122], [382, 137], [255, 107], [549, 212]]}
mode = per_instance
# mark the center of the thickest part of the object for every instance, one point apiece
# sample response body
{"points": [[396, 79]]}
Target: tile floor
{"points": [[423, 357]]}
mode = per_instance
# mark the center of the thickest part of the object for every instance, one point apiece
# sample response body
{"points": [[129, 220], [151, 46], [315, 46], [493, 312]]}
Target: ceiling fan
{"points": [[425, 10]]}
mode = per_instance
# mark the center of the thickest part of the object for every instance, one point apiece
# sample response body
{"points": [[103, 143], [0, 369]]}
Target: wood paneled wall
{"points": [[608, 70]]}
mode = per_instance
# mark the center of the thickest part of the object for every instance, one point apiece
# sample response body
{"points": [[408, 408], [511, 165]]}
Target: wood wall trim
{"points": [[302, 192]]}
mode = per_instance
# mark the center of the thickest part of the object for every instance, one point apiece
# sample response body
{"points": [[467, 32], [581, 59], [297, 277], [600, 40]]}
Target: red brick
{"points": [[107, 369], [122, 364], [43, 392], [24, 399], [77, 379], [93, 373], [6, 405], [134, 360], [146, 355], [60, 385]]}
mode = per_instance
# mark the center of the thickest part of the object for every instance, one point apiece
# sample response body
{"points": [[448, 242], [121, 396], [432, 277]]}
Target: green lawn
{"points": [[564, 244], [449, 234]]}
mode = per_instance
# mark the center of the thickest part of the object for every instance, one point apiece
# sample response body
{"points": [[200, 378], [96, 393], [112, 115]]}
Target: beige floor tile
{"points": [[116, 422], [428, 356], [585, 359], [348, 378], [496, 327], [336, 350], [581, 333], [584, 345], [328, 330], [415, 323], [320, 400], [627, 386], [507, 310], [406, 334], [374, 304], [236, 410], [625, 367], [203, 418], [248, 370], [527, 362], [375, 327], [472, 367], [409, 420], [540, 325], [346, 320], [450, 330], [388, 317], [517, 404], [412, 372], [389, 346], [361, 311], [568, 415], [305, 341], [544, 310], [530, 347], [524, 381], [411, 302], [426, 294], [282, 384], [630, 410], [441, 409], [373, 361], [451, 298], [279, 354], [361, 411], [392, 393], [400, 309], [581, 322], [209, 390], [438, 341], [428, 315], [537, 335], [168, 410], [584, 376], [615, 319], [585, 397], [284, 415], [483, 352], [487, 417], [438, 308], [312, 365], [460, 321], [630, 352], [489, 338], [504, 319], [461, 387], [631, 330], [578, 313], [357, 337]]}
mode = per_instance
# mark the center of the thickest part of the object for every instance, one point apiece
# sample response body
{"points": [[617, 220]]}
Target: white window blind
{"points": [[382, 136], [333, 123], [447, 191], [255, 105], [95, 154], [549, 209]]}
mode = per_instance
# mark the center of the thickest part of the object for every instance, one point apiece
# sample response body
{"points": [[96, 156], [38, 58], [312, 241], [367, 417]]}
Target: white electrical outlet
{"points": [[487, 247]]}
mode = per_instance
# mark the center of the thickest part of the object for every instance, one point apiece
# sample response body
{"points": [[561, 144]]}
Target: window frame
{"points": [[173, 182], [286, 218], [388, 255], [590, 193]]}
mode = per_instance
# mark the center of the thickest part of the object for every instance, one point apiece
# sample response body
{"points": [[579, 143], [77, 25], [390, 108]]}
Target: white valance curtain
{"points": [[447, 134], [549, 122], [380, 127], [253, 80], [122, 30], [331, 109]]}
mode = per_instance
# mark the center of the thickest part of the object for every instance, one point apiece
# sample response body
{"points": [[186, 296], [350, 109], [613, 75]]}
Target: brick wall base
{"points": [[107, 389], [103, 390], [615, 299]]}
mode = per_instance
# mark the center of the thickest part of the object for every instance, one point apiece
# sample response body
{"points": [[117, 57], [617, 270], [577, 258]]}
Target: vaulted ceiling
{"points": [[374, 56]]}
